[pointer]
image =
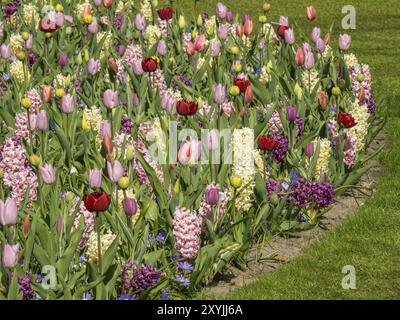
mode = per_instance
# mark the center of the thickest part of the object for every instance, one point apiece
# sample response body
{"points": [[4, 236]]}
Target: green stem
{"points": [[98, 243]]}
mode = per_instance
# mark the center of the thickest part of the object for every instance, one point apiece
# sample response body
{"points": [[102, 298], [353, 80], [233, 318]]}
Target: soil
{"points": [[282, 249]]}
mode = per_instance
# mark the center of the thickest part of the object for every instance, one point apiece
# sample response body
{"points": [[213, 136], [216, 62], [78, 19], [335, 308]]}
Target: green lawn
{"points": [[370, 239]]}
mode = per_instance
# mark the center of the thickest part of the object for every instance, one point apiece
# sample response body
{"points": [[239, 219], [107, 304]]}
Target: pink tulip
{"points": [[320, 45], [110, 98], [315, 34], [8, 212], [93, 66], [289, 36], [5, 51], [105, 129], [311, 13], [239, 30], [299, 59], [190, 49], [221, 10], [248, 95], [107, 3], [284, 21], [94, 26], [219, 93], [47, 173], [29, 42], [213, 139], [161, 48], [137, 67], [41, 120], [10, 255], [309, 60], [95, 178], [310, 150], [344, 42], [199, 43], [59, 19], [248, 27], [215, 48], [140, 22], [115, 170], [67, 103], [223, 30]]}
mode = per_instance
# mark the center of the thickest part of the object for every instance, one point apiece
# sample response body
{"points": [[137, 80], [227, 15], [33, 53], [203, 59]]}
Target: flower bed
{"points": [[141, 154]]}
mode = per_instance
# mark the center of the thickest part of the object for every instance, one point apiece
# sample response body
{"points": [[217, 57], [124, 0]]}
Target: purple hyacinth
{"points": [[274, 187], [299, 124], [126, 125], [314, 194], [25, 286], [145, 277], [118, 20], [279, 152]]}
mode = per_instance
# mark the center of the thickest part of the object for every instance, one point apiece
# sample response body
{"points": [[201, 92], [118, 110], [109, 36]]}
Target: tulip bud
{"points": [[199, 21], [360, 77], [25, 35], [336, 91], [59, 7], [212, 196], [26, 225], [311, 13], [78, 59], [262, 19], [248, 27], [107, 144], [298, 92], [248, 95], [85, 126], [123, 183], [130, 206], [20, 55], [46, 93], [323, 100], [299, 59], [237, 67], [234, 50], [10, 255], [129, 153], [181, 22], [239, 30], [266, 6], [59, 223], [60, 92], [8, 212], [236, 182], [35, 160], [26, 102], [234, 90], [310, 150]]}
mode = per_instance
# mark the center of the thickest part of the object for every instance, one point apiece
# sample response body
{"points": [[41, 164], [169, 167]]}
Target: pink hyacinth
{"points": [[350, 150], [21, 125], [227, 108], [34, 95], [18, 175], [275, 123], [157, 81], [163, 25], [206, 211], [187, 230], [89, 222], [132, 53]]}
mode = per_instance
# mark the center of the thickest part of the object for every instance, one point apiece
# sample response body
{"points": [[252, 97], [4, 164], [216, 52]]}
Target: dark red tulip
{"points": [[97, 201], [281, 31], [149, 65], [186, 108], [346, 120], [242, 84], [266, 143], [165, 13]]}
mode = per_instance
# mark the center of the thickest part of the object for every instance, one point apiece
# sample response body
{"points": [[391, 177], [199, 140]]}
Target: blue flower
{"points": [[87, 296], [184, 266], [6, 76], [294, 177], [127, 296], [161, 236], [183, 281], [164, 295]]}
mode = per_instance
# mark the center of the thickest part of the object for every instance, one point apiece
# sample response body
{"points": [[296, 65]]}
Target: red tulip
{"points": [[186, 108], [242, 84], [346, 120], [165, 13], [299, 59], [149, 65], [266, 143], [97, 201], [107, 3], [248, 27], [281, 31], [311, 13]]}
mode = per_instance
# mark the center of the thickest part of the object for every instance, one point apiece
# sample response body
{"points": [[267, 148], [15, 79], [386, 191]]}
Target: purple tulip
{"points": [[41, 120], [59, 223], [229, 16], [95, 178], [212, 196], [213, 140], [289, 36], [10, 255], [310, 150], [67, 103], [120, 48], [5, 51], [93, 28], [31, 58], [246, 17], [47, 173], [291, 113], [32, 121], [63, 59], [161, 48], [140, 22], [93, 66], [105, 129], [115, 170], [315, 34], [110, 98], [97, 2], [320, 44], [309, 60], [135, 100], [307, 48], [344, 42], [219, 93], [10, 8], [284, 21], [221, 10], [137, 68], [223, 30], [8, 212], [130, 206], [215, 48]]}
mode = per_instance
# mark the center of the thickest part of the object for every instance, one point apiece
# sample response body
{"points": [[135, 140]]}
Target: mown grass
{"points": [[370, 239]]}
